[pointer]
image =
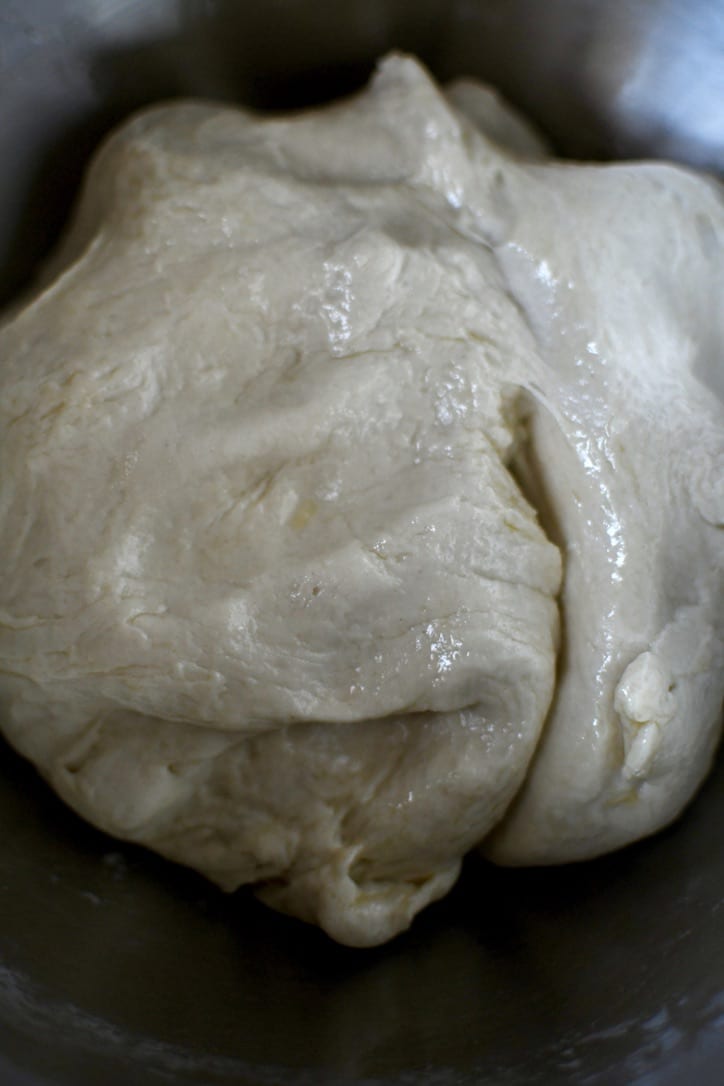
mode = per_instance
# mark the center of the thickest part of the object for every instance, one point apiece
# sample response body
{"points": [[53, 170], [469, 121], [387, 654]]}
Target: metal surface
{"points": [[116, 968]]}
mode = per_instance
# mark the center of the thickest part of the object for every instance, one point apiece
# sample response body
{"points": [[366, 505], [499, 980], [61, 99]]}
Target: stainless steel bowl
{"points": [[116, 968]]}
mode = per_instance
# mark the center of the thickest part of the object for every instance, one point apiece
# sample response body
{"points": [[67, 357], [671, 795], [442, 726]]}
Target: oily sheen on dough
{"points": [[272, 599]]}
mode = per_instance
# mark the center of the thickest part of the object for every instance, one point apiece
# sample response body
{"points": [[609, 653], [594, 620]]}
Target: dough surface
{"points": [[272, 599]]}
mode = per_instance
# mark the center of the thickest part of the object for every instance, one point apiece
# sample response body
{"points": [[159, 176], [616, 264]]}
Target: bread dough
{"points": [[272, 600]]}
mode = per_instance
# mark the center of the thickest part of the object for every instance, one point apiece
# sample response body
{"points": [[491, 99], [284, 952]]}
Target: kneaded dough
{"points": [[272, 599]]}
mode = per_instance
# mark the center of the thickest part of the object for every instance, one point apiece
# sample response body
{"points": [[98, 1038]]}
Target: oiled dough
{"points": [[271, 600]]}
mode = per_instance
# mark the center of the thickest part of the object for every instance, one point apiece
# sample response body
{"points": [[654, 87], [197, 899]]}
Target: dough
{"points": [[272, 599]]}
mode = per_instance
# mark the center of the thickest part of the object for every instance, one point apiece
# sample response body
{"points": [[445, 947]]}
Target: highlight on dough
{"points": [[361, 497]]}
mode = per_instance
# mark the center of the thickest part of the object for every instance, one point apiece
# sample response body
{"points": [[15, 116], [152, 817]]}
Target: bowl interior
{"points": [[116, 967]]}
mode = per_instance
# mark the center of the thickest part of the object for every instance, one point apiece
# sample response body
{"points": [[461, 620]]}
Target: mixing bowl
{"points": [[117, 968]]}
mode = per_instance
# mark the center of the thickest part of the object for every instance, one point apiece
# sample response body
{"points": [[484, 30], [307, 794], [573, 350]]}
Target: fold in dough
{"points": [[272, 600]]}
